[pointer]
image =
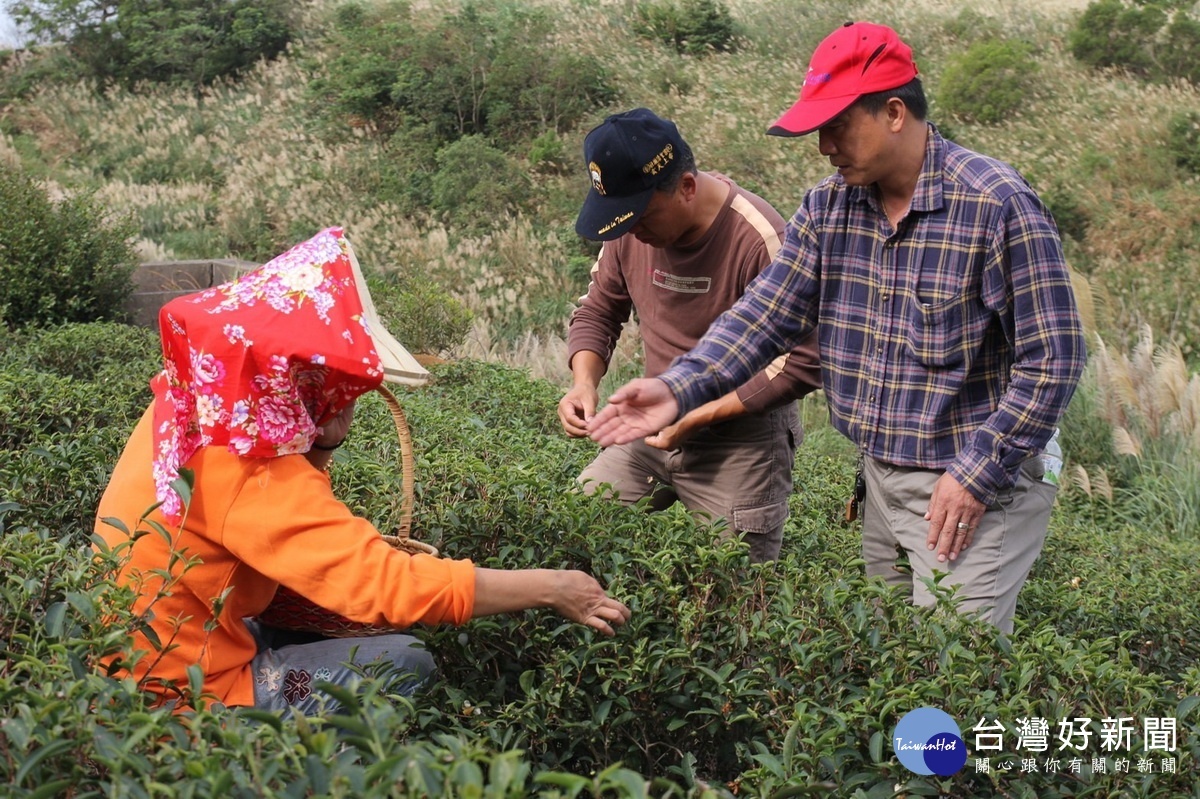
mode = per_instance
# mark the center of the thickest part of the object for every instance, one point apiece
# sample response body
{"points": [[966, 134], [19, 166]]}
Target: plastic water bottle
{"points": [[1052, 460]]}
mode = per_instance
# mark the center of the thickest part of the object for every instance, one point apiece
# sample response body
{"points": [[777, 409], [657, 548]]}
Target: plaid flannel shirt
{"points": [[953, 342]]}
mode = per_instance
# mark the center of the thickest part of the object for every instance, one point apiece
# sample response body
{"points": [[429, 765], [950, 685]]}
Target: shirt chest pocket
{"points": [[943, 309], [934, 331]]}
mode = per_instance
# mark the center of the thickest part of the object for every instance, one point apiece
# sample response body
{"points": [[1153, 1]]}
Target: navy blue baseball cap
{"points": [[628, 157]]}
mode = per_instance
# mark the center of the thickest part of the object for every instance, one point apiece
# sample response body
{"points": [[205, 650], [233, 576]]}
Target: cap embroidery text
{"points": [[660, 161]]}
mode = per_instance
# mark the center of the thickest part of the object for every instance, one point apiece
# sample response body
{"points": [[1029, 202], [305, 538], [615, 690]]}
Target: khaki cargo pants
{"points": [[989, 573], [739, 471]]}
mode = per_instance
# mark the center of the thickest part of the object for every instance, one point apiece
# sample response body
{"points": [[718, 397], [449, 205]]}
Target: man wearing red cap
{"points": [[680, 247], [950, 341]]}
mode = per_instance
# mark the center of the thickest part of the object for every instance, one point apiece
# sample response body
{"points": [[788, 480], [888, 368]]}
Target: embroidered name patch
{"points": [[684, 285]]}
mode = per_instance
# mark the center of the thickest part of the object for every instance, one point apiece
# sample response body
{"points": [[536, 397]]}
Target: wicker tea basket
{"points": [[290, 611]]}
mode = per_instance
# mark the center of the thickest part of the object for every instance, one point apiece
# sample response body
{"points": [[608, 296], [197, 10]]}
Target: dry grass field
{"points": [[238, 169]]}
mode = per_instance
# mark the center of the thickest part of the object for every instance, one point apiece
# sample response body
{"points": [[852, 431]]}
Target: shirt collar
{"points": [[928, 194]]}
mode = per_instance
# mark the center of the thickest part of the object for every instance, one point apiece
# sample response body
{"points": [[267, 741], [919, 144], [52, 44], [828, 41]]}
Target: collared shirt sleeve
{"points": [[777, 312], [1028, 284], [785, 379]]}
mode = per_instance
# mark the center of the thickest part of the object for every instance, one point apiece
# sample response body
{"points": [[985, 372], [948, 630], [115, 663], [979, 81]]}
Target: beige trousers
{"points": [[988, 574], [739, 471]]}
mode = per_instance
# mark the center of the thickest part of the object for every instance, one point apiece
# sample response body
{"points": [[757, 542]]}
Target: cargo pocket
{"points": [[761, 526]]}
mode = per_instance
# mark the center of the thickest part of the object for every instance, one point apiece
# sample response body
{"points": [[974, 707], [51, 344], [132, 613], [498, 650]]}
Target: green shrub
{"points": [[399, 171], [189, 41], [1156, 40], [1183, 140], [476, 185], [489, 69], [694, 27], [548, 154], [69, 396], [420, 314], [989, 82], [37, 406], [60, 261], [1070, 214], [67, 729], [98, 352]]}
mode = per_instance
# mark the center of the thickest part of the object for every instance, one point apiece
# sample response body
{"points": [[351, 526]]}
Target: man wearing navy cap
{"points": [[950, 340], [680, 246]]}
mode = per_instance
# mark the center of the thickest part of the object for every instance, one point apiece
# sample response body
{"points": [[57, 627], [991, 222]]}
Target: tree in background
{"points": [[1155, 39], [188, 41], [487, 69], [458, 98]]}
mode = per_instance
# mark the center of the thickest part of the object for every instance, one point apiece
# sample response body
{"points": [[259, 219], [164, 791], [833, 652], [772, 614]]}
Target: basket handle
{"points": [[403, 537]]}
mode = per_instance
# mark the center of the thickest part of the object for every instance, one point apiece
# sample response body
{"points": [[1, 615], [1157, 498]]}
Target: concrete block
{"points": [[156, 284]]}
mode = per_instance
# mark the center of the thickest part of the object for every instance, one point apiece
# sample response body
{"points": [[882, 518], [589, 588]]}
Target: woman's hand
{"points": [[582, 600], [574, 594]]}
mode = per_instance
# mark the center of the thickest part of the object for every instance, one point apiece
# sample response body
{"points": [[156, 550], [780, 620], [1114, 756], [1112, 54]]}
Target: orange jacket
{"points": [[252, 525]]}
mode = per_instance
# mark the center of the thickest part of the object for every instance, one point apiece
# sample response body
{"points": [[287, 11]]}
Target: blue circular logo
{"points": [[928, 741]]}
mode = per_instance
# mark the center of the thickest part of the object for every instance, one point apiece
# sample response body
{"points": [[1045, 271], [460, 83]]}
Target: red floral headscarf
{"points": [[259, 363]]}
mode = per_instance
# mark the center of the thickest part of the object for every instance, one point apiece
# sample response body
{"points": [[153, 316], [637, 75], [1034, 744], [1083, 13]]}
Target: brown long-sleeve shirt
{"points": [[677, 292]]}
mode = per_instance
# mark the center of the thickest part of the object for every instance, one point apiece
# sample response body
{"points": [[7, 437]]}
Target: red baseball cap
{"points": [[856, 59]]}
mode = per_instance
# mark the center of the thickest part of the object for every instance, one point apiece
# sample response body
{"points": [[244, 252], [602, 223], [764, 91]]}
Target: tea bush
{"points": [[92, 352], [69, 396], [731, 678], [82, 733], [60, 261]]}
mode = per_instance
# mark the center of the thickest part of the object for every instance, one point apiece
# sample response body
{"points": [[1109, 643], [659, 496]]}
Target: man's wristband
{"points": [[328, 449]]}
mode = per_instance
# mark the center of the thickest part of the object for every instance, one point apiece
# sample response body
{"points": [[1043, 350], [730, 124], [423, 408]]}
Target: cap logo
{"points": [[814, 78], [597, 183], [659, 162]]}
